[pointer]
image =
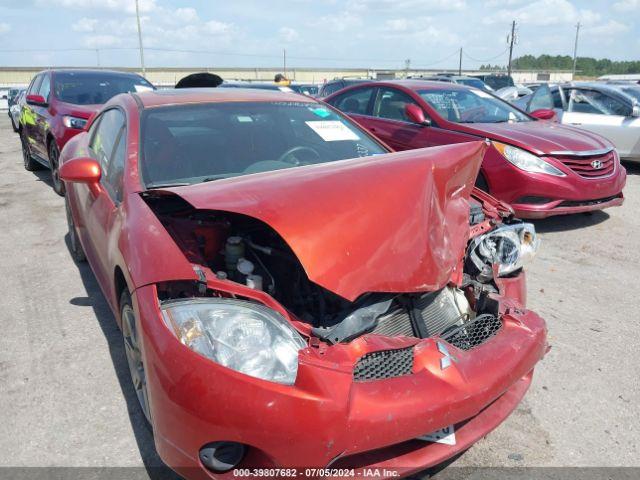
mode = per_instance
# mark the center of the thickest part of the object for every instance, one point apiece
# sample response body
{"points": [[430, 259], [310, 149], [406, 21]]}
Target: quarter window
{"points": [[591, 101]]}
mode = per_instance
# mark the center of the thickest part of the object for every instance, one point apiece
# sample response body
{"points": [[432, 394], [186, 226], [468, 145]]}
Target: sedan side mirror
{"points": [[545, 114], [81, 170], [36, 100], [416, 115]]}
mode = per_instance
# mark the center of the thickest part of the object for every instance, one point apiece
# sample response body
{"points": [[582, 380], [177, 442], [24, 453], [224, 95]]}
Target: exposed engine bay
{"points": [[247, 251]]}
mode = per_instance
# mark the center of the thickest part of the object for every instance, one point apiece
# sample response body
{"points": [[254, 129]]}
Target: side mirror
{"points": [[415, 114], [635, 112], [545, 114], [81, 170], [36, 100]]}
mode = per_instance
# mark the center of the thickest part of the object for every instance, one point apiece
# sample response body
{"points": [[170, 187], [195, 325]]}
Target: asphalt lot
{"points": [[65, 397]]}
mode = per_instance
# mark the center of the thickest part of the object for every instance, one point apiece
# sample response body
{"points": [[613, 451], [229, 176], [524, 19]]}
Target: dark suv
{"points": [[58, 105]]}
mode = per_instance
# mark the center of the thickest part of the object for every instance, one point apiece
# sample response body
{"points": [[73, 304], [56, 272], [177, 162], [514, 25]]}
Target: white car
{"points": [[612, 110]]}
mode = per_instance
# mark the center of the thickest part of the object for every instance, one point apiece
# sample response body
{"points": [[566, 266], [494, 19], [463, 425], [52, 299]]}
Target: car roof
{"points": [[93, 71], [423, 85], [182, 96]]}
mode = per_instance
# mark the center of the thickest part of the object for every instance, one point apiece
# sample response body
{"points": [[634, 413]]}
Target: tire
{"points": [[54, 157], [29, 163], [131, 338], [75, 247], [13, 124]]}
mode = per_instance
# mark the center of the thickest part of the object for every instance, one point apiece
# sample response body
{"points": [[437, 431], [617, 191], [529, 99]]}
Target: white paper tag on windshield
{"points": [[332, 130]]}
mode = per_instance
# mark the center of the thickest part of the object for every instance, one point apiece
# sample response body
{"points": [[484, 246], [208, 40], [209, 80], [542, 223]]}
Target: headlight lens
{"points": [[526, 161], [74, 122], [510, 247], [246, 337]]}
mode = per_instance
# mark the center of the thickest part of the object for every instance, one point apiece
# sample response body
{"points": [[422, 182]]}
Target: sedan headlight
{"points": [[74, 122], [510, 247], [243, 336], [526, 161]]}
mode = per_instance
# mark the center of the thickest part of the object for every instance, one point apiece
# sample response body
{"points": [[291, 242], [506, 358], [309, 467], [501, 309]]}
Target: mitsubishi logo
{"points": [[597, 164], [447, 359]]}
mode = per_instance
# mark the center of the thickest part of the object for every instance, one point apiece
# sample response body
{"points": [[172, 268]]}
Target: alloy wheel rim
{"points": [[134, 358], [72, 229], [55, 174]]}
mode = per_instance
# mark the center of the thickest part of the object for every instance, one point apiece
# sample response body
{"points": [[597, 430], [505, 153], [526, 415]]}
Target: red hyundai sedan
{"points": [[292, 295], [540, 167]]}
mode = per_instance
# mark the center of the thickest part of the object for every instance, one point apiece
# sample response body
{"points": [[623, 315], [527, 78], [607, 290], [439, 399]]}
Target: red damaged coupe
{"points": [[291, 294], [541, 168]]}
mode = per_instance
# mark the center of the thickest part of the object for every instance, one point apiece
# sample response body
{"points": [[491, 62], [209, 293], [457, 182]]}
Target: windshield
{"points": [[88, 88], [472, 82], [188, 144], [471, 106], [633, 92]]}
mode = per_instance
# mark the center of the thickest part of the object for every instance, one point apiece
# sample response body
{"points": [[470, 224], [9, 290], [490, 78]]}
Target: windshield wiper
{"points": [[151, 186]]}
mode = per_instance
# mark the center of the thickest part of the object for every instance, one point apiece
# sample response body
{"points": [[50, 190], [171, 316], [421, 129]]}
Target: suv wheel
{"points": [[29, 163], [13, 123], [54, 157]]}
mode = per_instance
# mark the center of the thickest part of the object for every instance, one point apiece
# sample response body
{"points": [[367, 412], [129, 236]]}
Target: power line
{"points": [[487, 59]]}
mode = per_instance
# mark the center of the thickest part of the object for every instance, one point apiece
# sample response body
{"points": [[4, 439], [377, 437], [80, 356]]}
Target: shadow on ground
{"points": [[156, 469], [633, 168], [562, 223]]}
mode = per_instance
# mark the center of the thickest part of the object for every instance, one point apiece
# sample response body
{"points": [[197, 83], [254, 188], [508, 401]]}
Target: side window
{"points": [[115, 169], [45, 87], [557, 99], [355, 101], [540, 99], [591, 101], [105, 147], [35, 86], [390, 103]]}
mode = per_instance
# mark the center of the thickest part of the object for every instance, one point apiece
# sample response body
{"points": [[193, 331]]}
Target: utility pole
{"points": [[284, 62], [575, 51], [144, 72], [98, 56], [512, 39], [460, 63], [407, 66]]}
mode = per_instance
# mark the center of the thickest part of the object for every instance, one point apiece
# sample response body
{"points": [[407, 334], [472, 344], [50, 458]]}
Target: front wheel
{"points": [[29, 163], [54, 157], [131, 337], [74, 242], [13, 124]]}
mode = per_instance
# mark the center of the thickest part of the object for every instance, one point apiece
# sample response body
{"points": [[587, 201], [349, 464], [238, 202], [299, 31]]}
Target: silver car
{"points": [[15, 110], [612, 110]]}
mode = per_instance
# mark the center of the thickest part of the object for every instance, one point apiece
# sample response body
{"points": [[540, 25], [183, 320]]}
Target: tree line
{"points": [[585, 66]]}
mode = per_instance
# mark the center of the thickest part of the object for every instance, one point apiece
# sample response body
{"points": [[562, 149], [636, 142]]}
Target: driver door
{"points": [[605, 115]]}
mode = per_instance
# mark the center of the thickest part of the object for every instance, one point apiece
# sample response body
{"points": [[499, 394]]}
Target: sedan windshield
{"points": [[188, 144], [88, 88], [471, 106]]}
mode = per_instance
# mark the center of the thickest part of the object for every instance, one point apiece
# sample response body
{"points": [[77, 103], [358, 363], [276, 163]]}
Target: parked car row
{"points": [[324, 263]]}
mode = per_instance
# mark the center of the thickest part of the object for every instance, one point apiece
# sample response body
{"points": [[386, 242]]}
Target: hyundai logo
{"points": [[447, 359], [596, 164]]}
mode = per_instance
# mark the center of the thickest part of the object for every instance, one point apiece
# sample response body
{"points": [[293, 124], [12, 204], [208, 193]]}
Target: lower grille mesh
{"points": [[384, 364], [474, 332]]}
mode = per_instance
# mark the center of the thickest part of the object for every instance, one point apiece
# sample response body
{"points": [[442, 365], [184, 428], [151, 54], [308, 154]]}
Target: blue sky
{"points": [[322, 33]]}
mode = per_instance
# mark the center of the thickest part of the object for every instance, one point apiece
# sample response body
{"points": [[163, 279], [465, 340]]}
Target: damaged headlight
{"points": [[510, 247], [246, 337], [526, 161]]}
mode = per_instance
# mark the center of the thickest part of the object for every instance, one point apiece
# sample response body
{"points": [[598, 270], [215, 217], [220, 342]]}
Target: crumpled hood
{"points": [[389, 223], [540, 137]]}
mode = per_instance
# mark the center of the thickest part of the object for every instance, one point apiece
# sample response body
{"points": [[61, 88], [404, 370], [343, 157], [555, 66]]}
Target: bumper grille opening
{"points": [[474, 332], [384, 364], [583, 203]]}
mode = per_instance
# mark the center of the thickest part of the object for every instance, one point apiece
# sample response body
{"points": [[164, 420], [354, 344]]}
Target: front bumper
{"points": [[536, 195], [326, 418]]}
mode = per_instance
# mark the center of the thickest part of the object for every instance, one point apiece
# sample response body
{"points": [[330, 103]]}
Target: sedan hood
{"points": [[390, 223], [80, 111], [540, 137]]}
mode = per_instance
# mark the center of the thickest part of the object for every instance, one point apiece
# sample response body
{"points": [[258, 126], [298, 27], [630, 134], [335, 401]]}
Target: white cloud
{"points": [[422, 6], [339, 22], [128, 6], [102, 41], [543, 13], [4, 28], [612, 27], [288, 34], [85, 25], [627, 6]]}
